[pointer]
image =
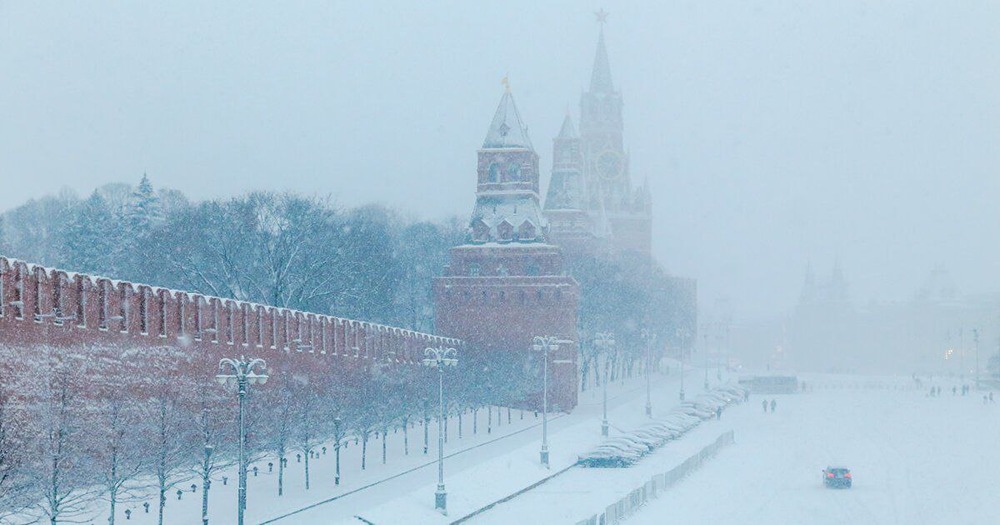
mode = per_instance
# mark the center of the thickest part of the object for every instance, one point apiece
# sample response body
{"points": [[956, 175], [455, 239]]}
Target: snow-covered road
{"points": [[916, 460]]}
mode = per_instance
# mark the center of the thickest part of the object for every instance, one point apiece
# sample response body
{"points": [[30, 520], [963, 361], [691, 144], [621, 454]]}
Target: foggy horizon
{"points": [[772, 136]]}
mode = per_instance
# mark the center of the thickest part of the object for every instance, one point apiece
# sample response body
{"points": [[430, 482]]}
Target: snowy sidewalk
{"points": [[473, 486]]}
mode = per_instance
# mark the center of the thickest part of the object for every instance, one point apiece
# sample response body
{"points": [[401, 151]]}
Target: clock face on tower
{"points": [[609, 164]]}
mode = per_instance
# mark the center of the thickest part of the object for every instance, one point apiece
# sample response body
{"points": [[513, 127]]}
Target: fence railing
{"points": [[637, 498]]}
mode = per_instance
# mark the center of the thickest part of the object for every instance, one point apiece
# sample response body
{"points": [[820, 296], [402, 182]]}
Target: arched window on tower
{"points": [[493, 172], [514, 172], [526, 232], [505, 231], [480, 231]]}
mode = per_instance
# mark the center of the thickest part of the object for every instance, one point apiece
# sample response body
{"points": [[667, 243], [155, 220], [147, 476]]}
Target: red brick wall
{"points": [[44, 306], [495, 313]]}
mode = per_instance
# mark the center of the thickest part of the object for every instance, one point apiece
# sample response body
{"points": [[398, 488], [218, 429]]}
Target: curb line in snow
{"points": [[405, 472], [510, 497]]}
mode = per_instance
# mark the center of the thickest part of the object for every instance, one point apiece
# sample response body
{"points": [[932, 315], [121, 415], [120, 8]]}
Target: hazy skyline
{"points": [[772, 133]]}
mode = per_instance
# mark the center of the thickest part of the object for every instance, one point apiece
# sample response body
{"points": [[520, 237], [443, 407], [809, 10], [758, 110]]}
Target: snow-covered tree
{"points": [[143, 212], [173, 445], [278, 427], [118, 414], [4, 246], [15, 474], [90, 239], [213, 430], [64, 436], [34, 230], [309, 420]]}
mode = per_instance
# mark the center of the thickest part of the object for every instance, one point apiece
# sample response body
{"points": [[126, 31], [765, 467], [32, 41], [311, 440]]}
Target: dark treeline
{"points": [[277, 249]]}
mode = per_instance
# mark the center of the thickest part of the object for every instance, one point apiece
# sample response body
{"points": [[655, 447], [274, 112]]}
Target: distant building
{"points": [[937, 332], [591, 203]]}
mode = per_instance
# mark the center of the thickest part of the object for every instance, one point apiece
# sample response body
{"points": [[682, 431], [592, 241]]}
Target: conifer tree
{"points": [[89, 238]]}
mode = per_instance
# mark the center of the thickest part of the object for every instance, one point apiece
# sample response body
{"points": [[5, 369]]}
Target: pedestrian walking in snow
{"points": [[773, 404], [763, 403], [991, 398], [718, 411], [746, 395]]}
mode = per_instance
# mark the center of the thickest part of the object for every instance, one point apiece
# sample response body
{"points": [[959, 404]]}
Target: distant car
{"points": [[835, 477]]}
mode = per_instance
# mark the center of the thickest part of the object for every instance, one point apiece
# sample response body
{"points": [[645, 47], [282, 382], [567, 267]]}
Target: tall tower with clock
{"points": [[619, 214]]}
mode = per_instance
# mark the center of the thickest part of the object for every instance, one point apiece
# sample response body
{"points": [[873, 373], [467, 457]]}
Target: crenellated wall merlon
{"points": [[52, 306]]}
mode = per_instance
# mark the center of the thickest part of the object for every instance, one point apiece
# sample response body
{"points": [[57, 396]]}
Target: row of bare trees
{"points": [[625, 294], [83, 430]]}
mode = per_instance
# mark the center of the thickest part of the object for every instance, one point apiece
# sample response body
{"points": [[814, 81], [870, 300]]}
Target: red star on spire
{"points": [[602, 16]]}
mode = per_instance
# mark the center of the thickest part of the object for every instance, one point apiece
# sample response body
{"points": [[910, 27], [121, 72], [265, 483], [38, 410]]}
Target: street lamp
{"points": [[336, 449], [718, 358], [975, 337], [243, 374], [705, 348], [680, 344], [206, 482], [650, 338], [605, 341], [427, 423], [440, 358], [545, 344]]}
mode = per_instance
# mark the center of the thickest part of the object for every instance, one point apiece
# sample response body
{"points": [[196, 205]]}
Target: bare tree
{"points": [[15, 478], [277, 427], [171, 437], [67, 482], [213, 433], [118, 452], [309, 422], [276, 249]]}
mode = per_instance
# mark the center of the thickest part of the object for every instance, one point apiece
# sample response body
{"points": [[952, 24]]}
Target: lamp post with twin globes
{"points": [[243, 373], [440, 358]]}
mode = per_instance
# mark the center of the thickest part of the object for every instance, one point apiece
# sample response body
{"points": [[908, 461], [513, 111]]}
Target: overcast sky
{"points": [[773, 133]]}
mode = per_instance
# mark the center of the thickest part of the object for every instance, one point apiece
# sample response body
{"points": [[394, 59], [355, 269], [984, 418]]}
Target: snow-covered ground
{"points": [[263, 503], [410, 475], [915, 460], [487, 474]]}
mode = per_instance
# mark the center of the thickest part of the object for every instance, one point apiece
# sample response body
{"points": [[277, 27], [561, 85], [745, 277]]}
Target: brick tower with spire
{"points": [[506, 283], [591, 201]]}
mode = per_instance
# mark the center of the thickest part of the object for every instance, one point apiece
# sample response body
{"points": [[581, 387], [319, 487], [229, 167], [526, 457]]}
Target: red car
{"points": [[835, 477]]}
